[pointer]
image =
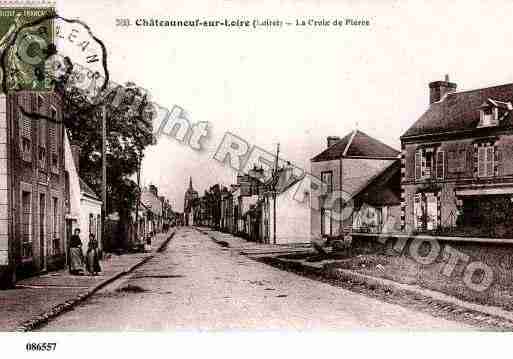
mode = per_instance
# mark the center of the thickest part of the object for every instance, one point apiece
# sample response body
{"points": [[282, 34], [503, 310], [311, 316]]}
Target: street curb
{"points": [[61, 308], [392, 286], [435, 295]]}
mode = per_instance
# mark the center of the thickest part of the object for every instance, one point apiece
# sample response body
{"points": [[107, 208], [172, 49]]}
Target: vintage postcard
{"points": [[248, 166]]}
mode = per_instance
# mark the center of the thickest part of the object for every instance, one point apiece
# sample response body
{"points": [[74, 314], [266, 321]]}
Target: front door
{"points": [[42, 231]]}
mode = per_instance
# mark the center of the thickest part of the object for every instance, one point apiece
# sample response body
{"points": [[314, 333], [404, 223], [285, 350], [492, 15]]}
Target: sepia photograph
{"points": [[320, 171]]}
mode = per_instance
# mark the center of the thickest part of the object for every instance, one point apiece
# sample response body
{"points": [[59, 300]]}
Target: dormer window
{"points": [[492, 112], [489, 117]]}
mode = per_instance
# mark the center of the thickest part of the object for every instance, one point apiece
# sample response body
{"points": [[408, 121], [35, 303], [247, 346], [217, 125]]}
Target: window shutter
{"points": [[417, 211], [461, 160], [481, 159], [489, 161], [25, 124], [418, 164], [440, 166], [53, 138]]}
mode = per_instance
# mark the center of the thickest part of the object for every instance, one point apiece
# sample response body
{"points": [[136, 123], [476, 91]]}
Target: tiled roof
{"points": [[357, 144], [384, 188], [458, 111], [359, 174], [86, 190]]}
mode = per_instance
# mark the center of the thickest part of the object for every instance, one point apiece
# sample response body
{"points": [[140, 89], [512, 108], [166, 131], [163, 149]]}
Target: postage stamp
{"points": [[26, 41]]}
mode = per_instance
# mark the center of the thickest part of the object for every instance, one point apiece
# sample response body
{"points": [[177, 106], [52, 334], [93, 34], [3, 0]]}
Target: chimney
{"points": [[438, 89], [332, 140], [75, 152], [286, 174]]}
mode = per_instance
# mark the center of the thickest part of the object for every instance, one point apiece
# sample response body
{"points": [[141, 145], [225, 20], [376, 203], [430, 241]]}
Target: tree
{"points": [[129, 131]]}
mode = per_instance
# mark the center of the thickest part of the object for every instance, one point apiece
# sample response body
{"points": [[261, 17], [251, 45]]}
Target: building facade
{"points": [[285, 219], [345, 167], [32, 184], [457, 163]]}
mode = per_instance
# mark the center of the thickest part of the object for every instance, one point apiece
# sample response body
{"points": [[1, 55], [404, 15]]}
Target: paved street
{"points": [[39, 294], [197, 284]]}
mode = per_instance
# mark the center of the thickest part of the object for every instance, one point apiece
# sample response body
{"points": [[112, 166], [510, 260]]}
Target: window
{"points": [[91, 224], [42, 143], [26, 224], [425, 207], [326, 228], [424, 163], [25, 126], [39, 102], [440, 165], [485, 160], [42, 157], [489, 116], [53, 113], [54, 159], [327, 179]]}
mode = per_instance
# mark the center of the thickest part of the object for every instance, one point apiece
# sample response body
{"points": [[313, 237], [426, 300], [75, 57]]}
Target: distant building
{"points": [[151, 199], [190, 196]]}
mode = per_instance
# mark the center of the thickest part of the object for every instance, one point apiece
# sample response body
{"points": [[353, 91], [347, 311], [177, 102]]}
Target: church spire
{"points": [[190, 183]]}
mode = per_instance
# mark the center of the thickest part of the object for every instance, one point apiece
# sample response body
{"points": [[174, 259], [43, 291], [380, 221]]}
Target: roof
{"points": [[357, 144], [87, 191], [459, 111], [360, 172], [384, 188]]}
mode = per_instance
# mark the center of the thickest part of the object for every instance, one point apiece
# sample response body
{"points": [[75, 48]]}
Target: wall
{"points": [[40, 180], [356, 173], [4, 197], [292, 218], [459, 170], [89, 206]]}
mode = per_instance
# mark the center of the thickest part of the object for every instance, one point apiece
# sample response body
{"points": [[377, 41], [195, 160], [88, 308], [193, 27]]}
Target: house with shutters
{"points": [[32, 184], [457, 163], [358, 173]]}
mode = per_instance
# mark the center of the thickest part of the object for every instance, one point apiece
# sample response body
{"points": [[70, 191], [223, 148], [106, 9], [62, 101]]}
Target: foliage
{"points": [[128, 129]]}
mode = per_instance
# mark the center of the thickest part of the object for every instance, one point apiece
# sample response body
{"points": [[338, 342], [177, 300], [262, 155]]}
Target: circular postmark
{"points": [[53, 53]]}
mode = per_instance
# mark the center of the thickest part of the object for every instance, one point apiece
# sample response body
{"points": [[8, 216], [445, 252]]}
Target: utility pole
{"points": [[138, 197], [104, 172], [274, 191]]}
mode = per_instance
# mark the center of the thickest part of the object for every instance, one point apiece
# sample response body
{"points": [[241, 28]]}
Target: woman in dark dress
{"points": [[93, 256], [76, 262]]}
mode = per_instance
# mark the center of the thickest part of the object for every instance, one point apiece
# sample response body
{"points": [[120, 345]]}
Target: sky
{"points": [[295, 86]]}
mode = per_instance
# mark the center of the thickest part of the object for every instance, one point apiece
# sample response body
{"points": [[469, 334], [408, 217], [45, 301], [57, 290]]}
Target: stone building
{"points": [[345, 167], [457, 163], [32, 184]]}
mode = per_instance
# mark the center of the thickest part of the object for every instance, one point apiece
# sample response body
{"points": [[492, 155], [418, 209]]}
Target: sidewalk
{"points": [[283, 257], [38, 298], [253, 248]]}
